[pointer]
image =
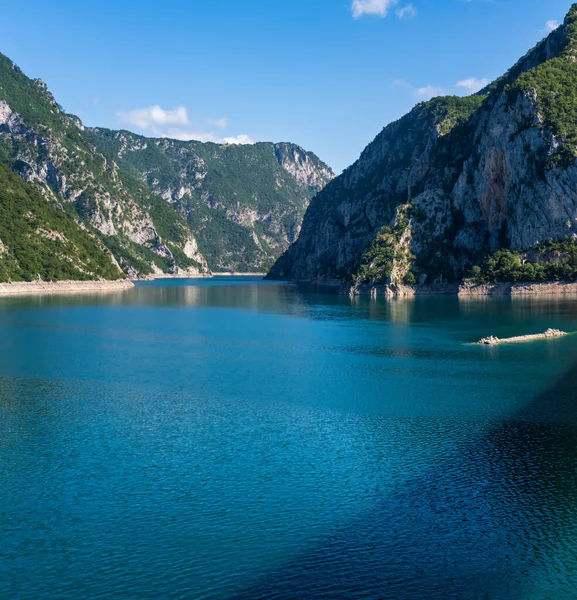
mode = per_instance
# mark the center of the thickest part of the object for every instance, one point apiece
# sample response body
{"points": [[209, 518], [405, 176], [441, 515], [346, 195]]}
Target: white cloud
{"points": [[551, 26], [428, 92], [401, 83], [153, 116], [204, 136], [221, 123], [186, 136], [165, 123], [239, 139], [407, 12], [379, 8], [473, 85]]}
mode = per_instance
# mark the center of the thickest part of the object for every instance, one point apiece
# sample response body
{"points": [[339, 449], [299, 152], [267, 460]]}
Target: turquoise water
{"points": [[239, 439]]}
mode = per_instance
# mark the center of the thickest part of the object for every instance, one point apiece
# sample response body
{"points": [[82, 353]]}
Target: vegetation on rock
{"points": [[40, 242], [550, 260], [386, 252], [242, 204], [554, 84], [158, 205], [487, 177]]}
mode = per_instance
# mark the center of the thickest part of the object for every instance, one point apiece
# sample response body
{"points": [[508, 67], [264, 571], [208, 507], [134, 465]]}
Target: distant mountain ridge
{"points": [[244, 203], [157, 205], [455, 181]]}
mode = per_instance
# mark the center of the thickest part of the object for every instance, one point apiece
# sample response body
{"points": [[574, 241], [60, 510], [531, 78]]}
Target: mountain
{"points": [[245, 203], [483, 187], [39, 240], [157, 205]]}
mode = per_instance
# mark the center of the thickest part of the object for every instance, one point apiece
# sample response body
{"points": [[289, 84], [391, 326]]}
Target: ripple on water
{"points": [[300, 452]]}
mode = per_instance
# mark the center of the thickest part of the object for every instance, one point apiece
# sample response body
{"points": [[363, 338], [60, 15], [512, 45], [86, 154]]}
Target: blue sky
{"points": [[326, 74]]}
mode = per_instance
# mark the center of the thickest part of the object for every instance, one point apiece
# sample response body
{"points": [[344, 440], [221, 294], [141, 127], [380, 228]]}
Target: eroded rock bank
{"points": [[552, 288], [63, 287]]}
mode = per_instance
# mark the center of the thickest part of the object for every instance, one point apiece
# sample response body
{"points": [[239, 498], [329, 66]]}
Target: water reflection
{"points": [[297, 300]]}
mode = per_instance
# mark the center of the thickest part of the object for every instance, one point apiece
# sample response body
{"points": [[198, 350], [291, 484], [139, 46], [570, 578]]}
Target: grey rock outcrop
{"points": [[245, 204], [158, 205], [477, 174]]}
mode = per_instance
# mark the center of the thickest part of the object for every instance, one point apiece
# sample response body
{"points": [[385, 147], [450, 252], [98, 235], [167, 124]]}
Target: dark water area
{"points": [[234, 438]]}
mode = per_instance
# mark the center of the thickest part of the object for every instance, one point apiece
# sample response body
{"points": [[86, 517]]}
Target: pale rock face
{"points": [[251, 198], [141, 232], [246, 217], [506, 191], [172, 194], [43, 161], [199, 178], [156, 270], [102, 223], [130, 145], [50, 234], [9, 120], [183, 191], [499, 189], [255, 239], [299, 165], [436, 207], [192, 251]]}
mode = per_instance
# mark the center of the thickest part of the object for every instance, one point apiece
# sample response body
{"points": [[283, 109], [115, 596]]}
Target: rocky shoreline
{"points": [[196, 275], [519, 289], [552, 288], [63, 287], [173, 276], [229, 274]]}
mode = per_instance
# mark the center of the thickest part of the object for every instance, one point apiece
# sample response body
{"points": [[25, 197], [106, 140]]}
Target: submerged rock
{"points": [[550, 333]]}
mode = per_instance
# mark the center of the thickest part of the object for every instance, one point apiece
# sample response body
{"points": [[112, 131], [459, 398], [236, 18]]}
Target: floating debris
{"points": [[550, 333]]}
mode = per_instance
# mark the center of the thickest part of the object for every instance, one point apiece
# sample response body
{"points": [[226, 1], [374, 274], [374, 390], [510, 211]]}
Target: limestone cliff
{"points": [[159, 206], [453, 181], [245, 204]]}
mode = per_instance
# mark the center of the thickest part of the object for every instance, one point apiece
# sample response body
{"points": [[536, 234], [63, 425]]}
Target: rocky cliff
{"points": [[454, 181], [40, 242], [245, 204], [158, 206]]}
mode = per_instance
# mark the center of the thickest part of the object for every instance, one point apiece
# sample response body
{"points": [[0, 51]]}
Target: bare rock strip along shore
{"points": [[463, 290], [63, 287]]}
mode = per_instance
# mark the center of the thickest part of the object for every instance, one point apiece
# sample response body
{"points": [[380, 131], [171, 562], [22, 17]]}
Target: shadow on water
{"points": [[487, 523]]}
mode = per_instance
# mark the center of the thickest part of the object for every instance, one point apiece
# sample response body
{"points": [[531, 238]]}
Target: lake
{"points": [[238, 439]]}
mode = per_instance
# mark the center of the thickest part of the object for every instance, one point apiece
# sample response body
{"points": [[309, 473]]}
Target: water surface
{"points": [[233, 438]]}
